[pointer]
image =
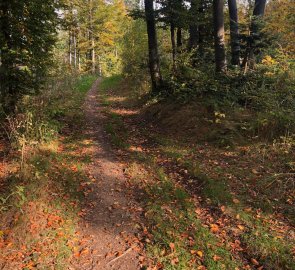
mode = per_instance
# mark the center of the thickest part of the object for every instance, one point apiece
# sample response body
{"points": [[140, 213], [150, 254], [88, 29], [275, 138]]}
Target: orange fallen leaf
{"points": [[241, 227], [255, 262], [216, 258], [214, 228], [172, 246]]}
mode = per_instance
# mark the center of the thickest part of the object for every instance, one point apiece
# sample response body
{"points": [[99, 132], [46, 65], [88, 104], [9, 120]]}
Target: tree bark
{"points": [[218, 17], [154, 65], [234, 32]]}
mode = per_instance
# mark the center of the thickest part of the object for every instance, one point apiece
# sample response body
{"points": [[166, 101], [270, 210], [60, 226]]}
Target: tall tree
{"points": [[173, 14], [199, 25], [255, 35], [154, 63], [234, 32], [218, 18]]}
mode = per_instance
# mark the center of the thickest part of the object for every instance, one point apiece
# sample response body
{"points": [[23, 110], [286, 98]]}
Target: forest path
{"points": [[108, 228]]}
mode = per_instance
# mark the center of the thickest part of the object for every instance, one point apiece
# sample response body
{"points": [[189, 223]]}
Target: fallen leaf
{"points": [[200, 253], [84, 251], [241, 227], [214, 228], [172, 246], [216, 258], [255, 262], [174, 261], [255, 171], [236, 201]]}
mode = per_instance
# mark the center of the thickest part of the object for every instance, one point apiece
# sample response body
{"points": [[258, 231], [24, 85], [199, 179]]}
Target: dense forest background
{"points": [[198, 102], [239, 54]]}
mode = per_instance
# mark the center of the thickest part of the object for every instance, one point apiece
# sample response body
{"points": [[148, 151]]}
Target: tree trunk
{"points": [[258, 13], [259, 7], [75, 49], [179, 38], [99, 66], [93, 66], [70, 48], [173, 45], [152, 46], [218, 18], [79, 60], [193, 27], [234, 32]]}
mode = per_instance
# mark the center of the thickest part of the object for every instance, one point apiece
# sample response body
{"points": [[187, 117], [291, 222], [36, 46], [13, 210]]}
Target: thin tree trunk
{"points": [[193, 28], [234, 32], [93, 56], [70, 48], [79, 60], [75, 49], [153, 46], [218, 18], [99, 66], [179, 38], [173, 45]]}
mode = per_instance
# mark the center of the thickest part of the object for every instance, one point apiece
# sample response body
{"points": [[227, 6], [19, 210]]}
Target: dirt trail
{"points": [[108, 229]]}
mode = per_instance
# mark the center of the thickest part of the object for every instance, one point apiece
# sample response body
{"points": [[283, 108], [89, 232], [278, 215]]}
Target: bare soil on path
{"points": [[110, 215]]}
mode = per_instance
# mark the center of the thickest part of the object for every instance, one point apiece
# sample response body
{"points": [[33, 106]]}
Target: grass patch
{"points": [[178, 239], [110, 82], [84, 83], [117, 131]]}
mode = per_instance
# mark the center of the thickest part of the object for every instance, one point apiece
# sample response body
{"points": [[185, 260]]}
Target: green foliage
{"points": [[26, 44], [134, 51], [16, 198]]}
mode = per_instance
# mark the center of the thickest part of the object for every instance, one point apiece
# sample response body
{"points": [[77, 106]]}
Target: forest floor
{"points": [[205, 206], [116, 190]]}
